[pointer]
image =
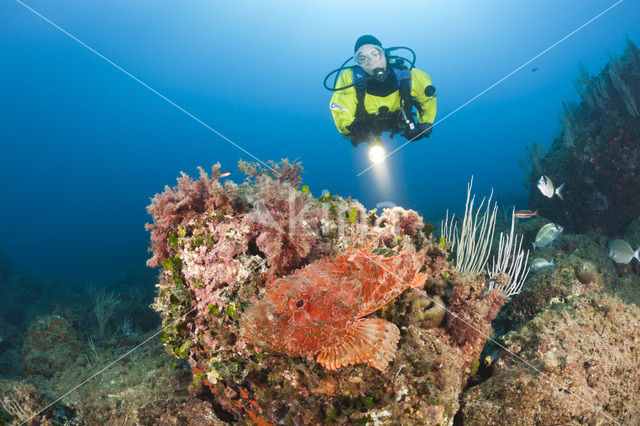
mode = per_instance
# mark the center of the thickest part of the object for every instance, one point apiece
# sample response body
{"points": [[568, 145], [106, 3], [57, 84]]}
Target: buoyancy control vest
{"points": [[385, 120]]}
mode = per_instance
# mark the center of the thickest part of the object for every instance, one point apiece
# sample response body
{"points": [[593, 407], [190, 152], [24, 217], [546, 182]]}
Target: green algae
{"points": [[427, 228], [172, 240], [346, 406], [475, 364], [217, 216], [231, 311], [352, 215]]}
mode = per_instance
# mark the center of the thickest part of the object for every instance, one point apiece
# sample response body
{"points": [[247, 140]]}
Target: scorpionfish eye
{"points": [[299, 303]]}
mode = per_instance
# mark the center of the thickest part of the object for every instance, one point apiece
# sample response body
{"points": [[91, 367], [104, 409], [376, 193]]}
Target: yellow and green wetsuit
{"points": [[344, 102]]}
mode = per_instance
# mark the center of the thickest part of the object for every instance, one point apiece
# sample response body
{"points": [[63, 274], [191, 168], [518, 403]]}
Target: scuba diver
{"points": [[379, 93]]}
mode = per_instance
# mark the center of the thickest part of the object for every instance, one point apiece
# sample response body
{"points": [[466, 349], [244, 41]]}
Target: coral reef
{"points": [[20, 401], [581, 266], [147, 388], [222, 246], [581, 368], [569, 349], [598, 152], [50, 345]]}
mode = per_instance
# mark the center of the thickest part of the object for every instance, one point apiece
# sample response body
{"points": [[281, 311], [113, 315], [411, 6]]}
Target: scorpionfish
{"points": [[318, 310]]}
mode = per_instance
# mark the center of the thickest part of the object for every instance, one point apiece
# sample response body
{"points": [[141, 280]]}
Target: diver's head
{"points": [[370, 56]]}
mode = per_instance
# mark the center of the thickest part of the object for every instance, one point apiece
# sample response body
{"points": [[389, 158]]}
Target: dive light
{"points": [[376, 150]]}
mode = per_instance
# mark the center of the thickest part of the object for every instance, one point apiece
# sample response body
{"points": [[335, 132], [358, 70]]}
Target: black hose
{"points": [[343, 67], [336, 71], [413, 54]]}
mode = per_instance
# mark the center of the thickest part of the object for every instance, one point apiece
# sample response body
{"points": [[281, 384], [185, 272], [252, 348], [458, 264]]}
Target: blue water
{"points": [[84, 146]]}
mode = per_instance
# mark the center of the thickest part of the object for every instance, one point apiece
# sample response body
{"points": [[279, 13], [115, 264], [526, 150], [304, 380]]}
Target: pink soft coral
{"points": [[396, 221], [183, 202], [402, 221], [284, 171], [285, 220], [470, 313]]}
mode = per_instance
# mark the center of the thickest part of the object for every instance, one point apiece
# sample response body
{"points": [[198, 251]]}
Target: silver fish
{"points": [[539, 264], [545, 185], [547, 234], [621, 252]]}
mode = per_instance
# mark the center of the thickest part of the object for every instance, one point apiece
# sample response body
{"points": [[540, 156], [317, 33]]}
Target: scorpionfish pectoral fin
{"points": [[418, 280], [370, 340]]}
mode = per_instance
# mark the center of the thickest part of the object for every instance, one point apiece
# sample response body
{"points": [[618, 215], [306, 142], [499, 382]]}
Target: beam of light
{"points": [[376, 153]]}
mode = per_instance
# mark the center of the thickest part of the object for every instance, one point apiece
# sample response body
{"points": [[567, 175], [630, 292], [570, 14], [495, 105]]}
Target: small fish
{"points": [[534, 69], [539, 264], [621, 252], [547, 234], [525, 214], [317, 311], [224, 174], [546, 187]]}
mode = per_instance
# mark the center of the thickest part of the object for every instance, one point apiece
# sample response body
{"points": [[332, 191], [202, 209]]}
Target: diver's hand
{"points": [[359, 131], [421, 130]]}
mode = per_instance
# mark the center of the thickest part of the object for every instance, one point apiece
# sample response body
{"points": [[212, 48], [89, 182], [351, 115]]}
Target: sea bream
{"points": [[621, 252], [318, 310], [547, 234], [539, 264], [545, 185]]}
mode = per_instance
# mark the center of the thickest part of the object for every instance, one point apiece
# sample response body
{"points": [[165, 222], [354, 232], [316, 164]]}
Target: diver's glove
{"points": [[359, 131], [421, 130]]}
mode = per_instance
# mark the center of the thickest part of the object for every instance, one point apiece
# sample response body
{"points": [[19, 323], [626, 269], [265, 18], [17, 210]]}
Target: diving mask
{"points": [[370, 57]]}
